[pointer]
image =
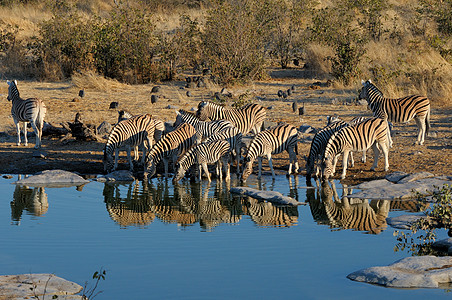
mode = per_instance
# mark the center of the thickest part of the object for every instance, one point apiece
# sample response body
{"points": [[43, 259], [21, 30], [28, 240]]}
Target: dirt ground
{"points": [[320, 100]]}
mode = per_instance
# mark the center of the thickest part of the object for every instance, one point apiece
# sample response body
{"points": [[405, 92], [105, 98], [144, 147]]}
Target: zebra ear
{"points": [[370, 81], [15, 82], [8, 82], [362, 82]]}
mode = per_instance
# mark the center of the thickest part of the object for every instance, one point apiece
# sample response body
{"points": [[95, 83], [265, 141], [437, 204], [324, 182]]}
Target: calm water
{"points": [[199, 241]]}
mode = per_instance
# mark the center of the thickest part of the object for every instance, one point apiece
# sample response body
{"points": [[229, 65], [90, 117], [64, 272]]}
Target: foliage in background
{"points": [[234, 39], [423, 232]]}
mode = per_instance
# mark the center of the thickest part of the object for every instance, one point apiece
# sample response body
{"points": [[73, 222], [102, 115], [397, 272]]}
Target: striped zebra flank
{"points": [[202, 155], [171, 146], [372, 132], [31, 110], [137, 131], [234, 137], [204, 129], [248, 118], [283, 137], [400, 110]]}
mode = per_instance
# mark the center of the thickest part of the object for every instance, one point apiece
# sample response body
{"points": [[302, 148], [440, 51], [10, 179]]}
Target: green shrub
{"points": [[124, 45], [234, 39], [423, 232]]}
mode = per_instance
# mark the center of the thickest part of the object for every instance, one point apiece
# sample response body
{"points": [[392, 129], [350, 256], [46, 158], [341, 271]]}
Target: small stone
{"points": [[114, 105], [155, 89], [154, 99], [7, 176], [40, 154]]}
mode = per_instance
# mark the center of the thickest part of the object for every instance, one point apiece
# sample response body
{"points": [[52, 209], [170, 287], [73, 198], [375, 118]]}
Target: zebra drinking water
{"points": [[360, 137], [202, 155], [30, 110], [399, 110], [139, 130], [272, 141], [170, 146]]}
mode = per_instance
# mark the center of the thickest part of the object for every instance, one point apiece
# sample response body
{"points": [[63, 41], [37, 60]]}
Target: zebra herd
{"points": [[213, 135]]}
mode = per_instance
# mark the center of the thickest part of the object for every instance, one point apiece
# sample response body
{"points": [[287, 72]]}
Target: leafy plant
{"points": [[423, 232], [90, 293]]}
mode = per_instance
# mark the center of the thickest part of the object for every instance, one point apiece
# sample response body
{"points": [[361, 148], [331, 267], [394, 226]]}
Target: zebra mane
{"points": [[372, 87]]}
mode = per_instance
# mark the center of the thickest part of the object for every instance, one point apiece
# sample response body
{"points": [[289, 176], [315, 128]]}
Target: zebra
{"points": [[30, 110], [171, 145], [234, 137], [272, 141], [201, 155], [371, 132], [399, 110], [159, 128], [248, 118], [138, 130], [203, 129]]}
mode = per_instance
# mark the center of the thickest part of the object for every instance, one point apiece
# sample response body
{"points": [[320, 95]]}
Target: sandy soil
{"points": [[63, 103]]}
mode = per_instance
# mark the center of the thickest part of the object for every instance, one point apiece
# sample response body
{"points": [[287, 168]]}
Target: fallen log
{"points": [[81, 131], [271, 196]]}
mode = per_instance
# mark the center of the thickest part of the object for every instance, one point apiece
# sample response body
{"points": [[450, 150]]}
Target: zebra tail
{"points": [[41, 114], [427, 123]]}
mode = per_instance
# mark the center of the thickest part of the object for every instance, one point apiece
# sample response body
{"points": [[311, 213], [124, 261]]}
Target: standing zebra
{"points": [[30, 110], [201, 155], [359, 137], [248, 118], [234, 137], [272, 141], [133, 132], [171, 145], [399, 110], [203, 129]]}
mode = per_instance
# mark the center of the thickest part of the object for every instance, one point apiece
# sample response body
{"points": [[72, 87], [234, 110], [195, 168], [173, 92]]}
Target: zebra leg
{"points": [[376, 154], [199, 178], [38, 138], [17, 131], [227, 168], [129, 156], [165, 163], [344, 163], [421, 124], [259, 160], [206, 170], [270, 163], [389, 137], [352, 161], [219, 170], [363, 158], [385, 150], [116, 159], [334, 164]]}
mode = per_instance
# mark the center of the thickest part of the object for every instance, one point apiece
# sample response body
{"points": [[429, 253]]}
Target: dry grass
{"points": [[92, 81]]}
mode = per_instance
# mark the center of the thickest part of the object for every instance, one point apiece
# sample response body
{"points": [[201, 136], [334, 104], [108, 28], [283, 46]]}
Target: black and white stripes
{"points": [[360, 137], [399, 110], [201, 155], [133, 132], [170, 146], [283, 137], [248, 118], [26, 110]]}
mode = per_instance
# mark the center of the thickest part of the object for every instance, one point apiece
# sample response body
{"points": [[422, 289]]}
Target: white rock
{"points": [[410, 272], [271, 196], [120, 175], [403, 221], [396, 176], [26, 286], [53, 178], [415, 176]]}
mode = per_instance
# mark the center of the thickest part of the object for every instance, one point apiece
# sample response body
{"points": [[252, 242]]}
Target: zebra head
{"points": [[327, 167], [309, 166], [248, 169], [364, 92], [12, 90], [202, 113], [149, 168], [108, 160], [180, 173]]}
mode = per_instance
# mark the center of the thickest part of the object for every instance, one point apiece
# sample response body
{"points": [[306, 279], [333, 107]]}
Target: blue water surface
{"points": [[192, 241]]}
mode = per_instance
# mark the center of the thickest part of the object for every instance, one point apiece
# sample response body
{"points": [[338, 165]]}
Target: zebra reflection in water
{"points": [[345, 213], [133, 209], [32, 199]]}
